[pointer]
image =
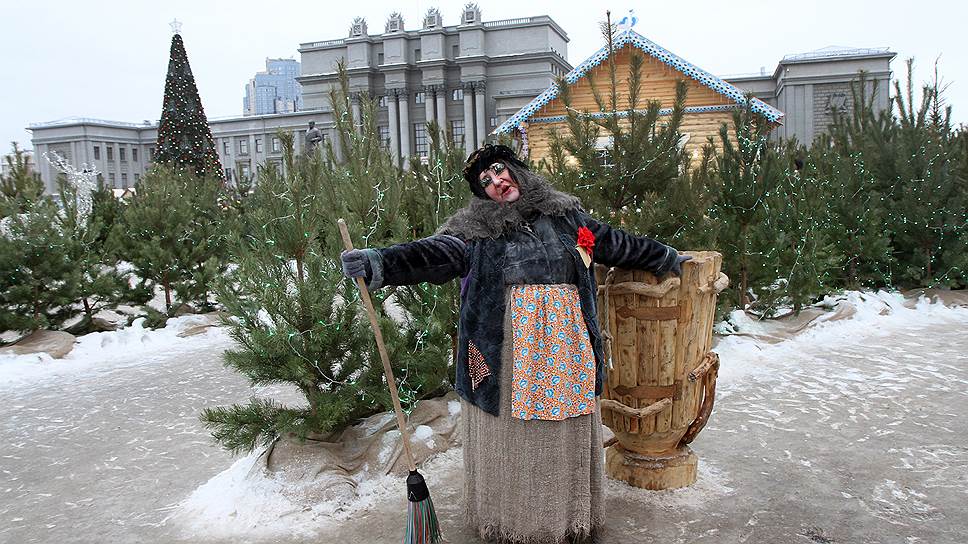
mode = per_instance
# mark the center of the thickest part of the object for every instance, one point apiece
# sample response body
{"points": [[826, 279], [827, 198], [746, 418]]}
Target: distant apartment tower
{"points": [[275, 90]]}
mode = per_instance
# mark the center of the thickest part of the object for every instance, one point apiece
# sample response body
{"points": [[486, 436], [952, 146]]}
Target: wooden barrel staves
{"points": [[660, 375]]}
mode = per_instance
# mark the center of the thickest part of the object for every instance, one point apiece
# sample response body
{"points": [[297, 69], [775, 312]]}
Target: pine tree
{"points": [[172, 234], [21, 187], [184, 138], [748, 169], [38, 281], [297, 319], [856, 223], [929, 213], [98, 282], [433, 191], [796, 251], [291, 313]]}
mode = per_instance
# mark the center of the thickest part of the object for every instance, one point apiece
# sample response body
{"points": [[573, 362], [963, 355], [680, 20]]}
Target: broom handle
{"points": [[365, 295]]}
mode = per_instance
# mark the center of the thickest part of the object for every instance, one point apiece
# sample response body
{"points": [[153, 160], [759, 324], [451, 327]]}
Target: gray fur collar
{"points": [[484, 218]]}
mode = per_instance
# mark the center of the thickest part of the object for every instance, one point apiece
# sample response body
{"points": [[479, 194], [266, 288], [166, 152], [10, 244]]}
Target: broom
{"points": [[422, 527]]}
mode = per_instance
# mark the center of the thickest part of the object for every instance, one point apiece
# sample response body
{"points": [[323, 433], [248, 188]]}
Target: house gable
{"points": [[700, 82]]}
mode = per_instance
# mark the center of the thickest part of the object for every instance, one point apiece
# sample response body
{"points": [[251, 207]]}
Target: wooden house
{"points": [[710, 101]]}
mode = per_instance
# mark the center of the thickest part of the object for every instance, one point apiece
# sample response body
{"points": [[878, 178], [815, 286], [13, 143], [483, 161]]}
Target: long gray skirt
{"points": [[531, 481]]}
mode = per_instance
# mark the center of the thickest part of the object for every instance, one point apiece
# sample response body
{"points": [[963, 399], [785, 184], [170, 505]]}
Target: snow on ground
{"points": [[102, 351], [245, 502], [875, 315], [238, 503]]}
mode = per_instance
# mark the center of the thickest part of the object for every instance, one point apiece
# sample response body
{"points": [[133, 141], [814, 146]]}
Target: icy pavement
{"points": [[853, 432], [104, 453]]}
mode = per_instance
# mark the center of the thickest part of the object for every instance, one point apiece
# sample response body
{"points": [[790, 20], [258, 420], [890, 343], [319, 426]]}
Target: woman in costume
{"points": [[530, 362]]}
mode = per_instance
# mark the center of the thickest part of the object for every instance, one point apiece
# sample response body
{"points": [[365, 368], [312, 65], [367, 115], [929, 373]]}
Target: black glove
{"points": [[677, 268], [355, 264]]}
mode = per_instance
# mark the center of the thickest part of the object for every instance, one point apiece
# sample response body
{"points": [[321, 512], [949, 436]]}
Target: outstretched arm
{"points": [[435, 259], [615, 247]]}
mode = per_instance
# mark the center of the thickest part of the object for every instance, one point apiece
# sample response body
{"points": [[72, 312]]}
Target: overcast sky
{"points": [[107, 59]]}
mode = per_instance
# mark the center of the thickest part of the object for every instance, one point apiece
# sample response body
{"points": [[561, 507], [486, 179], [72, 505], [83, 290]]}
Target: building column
{"points": [[42, 166], [480, 100], [470, 140], [429, 103], [404, 107], [391, 99], [442, 110], [355, 105]]}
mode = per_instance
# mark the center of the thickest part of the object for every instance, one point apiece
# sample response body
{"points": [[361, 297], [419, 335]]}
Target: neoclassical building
{"points": [[465, 77], [469, 78]]}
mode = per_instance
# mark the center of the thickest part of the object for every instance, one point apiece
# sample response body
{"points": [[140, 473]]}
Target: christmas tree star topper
{"points": [[175, 25]]}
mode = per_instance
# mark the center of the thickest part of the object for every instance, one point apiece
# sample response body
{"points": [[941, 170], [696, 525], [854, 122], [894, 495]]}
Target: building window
{"points": [[457, 132], [228, 174], [275, 144], [244, 170], [384, 133], [111, 178], [151, 152], [134, 154], [226, 147], [121, 154], [244, 147], [456, 50], [137, 178], [603, 144], [457, 94], [417, 56], [97, 152], [493, 122], [419, 97], [258, 145], [420, 139], [110, 151], [383, 101], [124, 181], [379, 58]]}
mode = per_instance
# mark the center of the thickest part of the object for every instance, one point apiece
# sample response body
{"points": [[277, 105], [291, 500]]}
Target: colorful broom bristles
{"points": [[422, 527]]}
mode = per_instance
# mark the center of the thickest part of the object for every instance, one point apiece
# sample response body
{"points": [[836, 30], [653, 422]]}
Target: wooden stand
{"points": [[670, 470], [661, 382]]}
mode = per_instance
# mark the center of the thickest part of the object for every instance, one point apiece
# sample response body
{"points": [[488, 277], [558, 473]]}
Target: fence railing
{"points": [[326, 43], [506, 22]]}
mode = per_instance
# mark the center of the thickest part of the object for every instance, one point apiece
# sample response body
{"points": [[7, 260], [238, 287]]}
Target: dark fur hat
{"points": [[484, 157]]}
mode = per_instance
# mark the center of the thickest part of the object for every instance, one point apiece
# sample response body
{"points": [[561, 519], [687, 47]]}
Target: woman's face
{"points": [[500, 184]]}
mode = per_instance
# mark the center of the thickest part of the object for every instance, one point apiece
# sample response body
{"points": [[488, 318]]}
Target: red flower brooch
{"points": [[586, 242]]}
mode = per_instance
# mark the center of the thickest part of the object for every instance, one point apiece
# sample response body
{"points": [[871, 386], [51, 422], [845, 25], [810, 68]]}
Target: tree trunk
{"points": [[87, 308], [743, 286], [167, 285], [927, 258]]}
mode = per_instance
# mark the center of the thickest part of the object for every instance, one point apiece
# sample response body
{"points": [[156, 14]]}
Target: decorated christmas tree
{"points": [[184, 139]]}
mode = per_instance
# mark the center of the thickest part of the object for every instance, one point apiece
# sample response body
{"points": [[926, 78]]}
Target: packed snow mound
{"points": [[105, 350], [294, 488], [748, 346]]}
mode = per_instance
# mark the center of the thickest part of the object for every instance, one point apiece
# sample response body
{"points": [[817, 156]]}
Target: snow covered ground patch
{"points": [[101, 351], [246, 502], [853, 317]]}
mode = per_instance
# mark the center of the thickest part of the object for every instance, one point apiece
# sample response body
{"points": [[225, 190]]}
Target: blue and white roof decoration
{"points": [[629, 36]]}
